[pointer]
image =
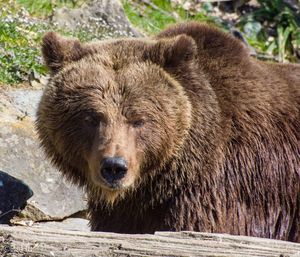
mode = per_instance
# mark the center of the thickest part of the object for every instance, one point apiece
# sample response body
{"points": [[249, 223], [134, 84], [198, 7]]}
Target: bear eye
{"points": [[138, 123], [91, 120]]}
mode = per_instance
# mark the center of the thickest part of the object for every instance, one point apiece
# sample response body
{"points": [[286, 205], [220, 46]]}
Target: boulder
{"points": [[21, 157], [102, 18]]}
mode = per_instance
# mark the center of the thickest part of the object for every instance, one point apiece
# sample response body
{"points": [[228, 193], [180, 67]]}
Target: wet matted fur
{"points": [[211, 135]]}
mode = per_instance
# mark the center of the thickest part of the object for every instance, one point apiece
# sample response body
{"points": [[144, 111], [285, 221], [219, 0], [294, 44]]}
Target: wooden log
{"points": [[36, 242]]}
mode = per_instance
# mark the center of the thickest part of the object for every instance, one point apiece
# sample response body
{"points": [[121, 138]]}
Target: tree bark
{"points": [[34, 241]]}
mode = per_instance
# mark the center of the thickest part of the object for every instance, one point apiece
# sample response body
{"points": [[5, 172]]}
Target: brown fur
{"points": [[211, 135]]}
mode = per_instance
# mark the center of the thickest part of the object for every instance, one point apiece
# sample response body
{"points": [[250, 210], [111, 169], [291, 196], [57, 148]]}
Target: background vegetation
{"points": [[272, 27]]}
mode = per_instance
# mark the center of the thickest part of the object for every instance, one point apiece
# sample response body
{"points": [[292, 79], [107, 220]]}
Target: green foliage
{"points": [[273, 28], [20, 37], [152, 18], [279, 32], [45, 7], [40, 7], [146, 18], [19, 53]]}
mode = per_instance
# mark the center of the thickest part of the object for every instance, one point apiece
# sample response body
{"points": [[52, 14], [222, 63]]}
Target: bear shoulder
{"points": [[211, 41]]}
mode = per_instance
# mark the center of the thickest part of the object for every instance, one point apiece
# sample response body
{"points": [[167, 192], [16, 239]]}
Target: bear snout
{"points": [[112, 170]]}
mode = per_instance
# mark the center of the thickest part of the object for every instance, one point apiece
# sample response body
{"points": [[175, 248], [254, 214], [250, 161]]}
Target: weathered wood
{"points": [[26, 241]]}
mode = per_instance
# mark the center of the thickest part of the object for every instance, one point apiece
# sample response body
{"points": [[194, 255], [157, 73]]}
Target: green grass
{"points": [[151, 20], [19, 51], [147, 19], [20, 39], [44, 8]]}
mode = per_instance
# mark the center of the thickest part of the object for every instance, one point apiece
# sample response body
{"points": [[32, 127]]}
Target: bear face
{"points": [[111, 115]]}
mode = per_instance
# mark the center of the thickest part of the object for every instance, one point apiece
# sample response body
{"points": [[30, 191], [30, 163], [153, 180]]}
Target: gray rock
{"points": [[75, 224], [25, 101], [103, 18], [13, 196], [21, 157]]}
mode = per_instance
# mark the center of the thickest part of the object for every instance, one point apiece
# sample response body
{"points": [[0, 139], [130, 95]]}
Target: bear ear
{"points": [[174, 52], [58, 51]]}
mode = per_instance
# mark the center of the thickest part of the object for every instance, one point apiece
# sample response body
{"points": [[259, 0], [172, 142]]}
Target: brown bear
{"points": [[182, 131]]}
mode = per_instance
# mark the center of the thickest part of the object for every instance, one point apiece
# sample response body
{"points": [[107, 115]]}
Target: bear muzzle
{"points": [[113, 170]]}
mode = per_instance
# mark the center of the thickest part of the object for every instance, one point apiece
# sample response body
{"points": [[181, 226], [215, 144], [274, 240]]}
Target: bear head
{"points": [[114, 112]]}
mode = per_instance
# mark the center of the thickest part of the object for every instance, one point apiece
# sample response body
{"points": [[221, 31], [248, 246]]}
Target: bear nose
{"points": [[113, 169]]}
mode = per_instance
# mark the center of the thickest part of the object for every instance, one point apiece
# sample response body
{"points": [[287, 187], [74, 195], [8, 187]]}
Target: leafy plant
{"points": [[277, 20]]}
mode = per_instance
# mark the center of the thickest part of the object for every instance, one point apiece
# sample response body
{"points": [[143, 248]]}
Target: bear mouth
{"points": [[114, 185], [117, 185]]}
